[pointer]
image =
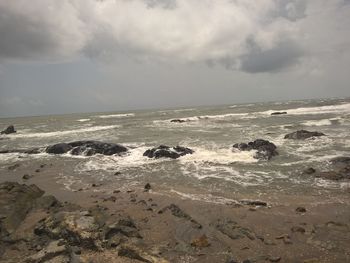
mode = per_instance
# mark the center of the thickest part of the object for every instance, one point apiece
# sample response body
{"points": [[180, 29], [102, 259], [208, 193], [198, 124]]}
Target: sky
{"points": [[117, 55]]}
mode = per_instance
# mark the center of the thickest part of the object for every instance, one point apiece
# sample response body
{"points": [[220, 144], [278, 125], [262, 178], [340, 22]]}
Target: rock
{"points": [[26, 176], [53, 250], [117, 173], [125, 227], [59, 148], [253, 202], [278, 113], [233, 230], [163, 151], [16, 201], [77, 228], [89, 148], [200, 242], [309, 170], [303, 134], [339, 170], [344, 160], [14, 167], [147, 187], [298, 229], [86, 148], [231, 260], [111, 198], [131, 253], [300, 209], [274, 259], [265, 149], [46, 202], [178, 120], [176, 211], [10, 129]]}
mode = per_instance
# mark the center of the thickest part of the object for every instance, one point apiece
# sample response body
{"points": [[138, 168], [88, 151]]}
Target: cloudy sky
{"points": [[104, 55]]}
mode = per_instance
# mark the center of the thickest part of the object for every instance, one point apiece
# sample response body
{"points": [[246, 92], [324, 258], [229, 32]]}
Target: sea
{"points": [[215, 171]]}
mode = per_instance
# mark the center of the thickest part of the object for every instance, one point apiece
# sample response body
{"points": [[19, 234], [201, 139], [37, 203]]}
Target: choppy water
{"points": [[211, 131]]}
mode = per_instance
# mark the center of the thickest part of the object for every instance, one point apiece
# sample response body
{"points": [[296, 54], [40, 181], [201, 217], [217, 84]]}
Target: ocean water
{"points": [[215, 170]]}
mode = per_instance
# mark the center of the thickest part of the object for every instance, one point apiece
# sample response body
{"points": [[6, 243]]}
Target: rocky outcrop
{"points": [[302, 135], [178, 212], [178, 120], [10, 129], [163, 151], [278, 113], [86, 148], [339, 169], [265, 149]]}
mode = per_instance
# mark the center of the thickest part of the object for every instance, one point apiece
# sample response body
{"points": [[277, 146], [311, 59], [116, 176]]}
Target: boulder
{"points": [[59, 148], [265, 149], [303, 134], [163, 151], [339, 169], [278, 113], [86, 148], [10, 129], [178, 120], [16, 201]]}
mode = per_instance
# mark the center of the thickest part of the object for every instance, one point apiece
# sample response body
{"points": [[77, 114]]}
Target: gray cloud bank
{"points": [[251, 36]]}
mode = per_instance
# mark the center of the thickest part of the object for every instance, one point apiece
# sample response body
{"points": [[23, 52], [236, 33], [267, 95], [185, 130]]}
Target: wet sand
{"points": [[175, 229]]}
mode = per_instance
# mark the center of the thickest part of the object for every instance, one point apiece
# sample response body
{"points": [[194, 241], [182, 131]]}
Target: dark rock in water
{"points": [[300, 209], [265, 149], [16, 201], [339, 169], [178, 120], [176, 211], [10, 129], [87, 148], [147, 187], [59, 148], [163, 151], [26, 176], [14, 167], [303, 134], [253, 202], [309, 170], [340, 160], [278, 113]]}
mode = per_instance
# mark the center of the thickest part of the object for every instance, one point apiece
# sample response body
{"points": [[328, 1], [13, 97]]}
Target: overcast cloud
{"points": [[276, 38]]}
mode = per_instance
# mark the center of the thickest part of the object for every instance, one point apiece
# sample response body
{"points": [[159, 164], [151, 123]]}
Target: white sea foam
{"points": [[125, 115], [60, 133], [208, 198], [340, 108], [204, 117], [83, 120]]}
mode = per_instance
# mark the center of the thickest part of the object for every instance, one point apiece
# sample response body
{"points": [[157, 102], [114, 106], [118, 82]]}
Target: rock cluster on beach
{"points": [[265, 149]]}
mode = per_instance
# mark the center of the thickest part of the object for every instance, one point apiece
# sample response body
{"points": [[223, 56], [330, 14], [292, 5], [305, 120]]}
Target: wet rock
{"points": [[233, 230], [111, 199], [163, 151], [147, 187], [253, 202], [278, 113], [13, 167], [16, 201], [26, 176], [265, 149], [300, 209], [231, 260], [303, 134], [125, 227], [10, 129], [59, 148], [89, 148], [86, 148], [176, 211], [344, 160], [178, 120], [117, 173], [200, 242], [309, 170], [53, 250], [339, 170]]}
